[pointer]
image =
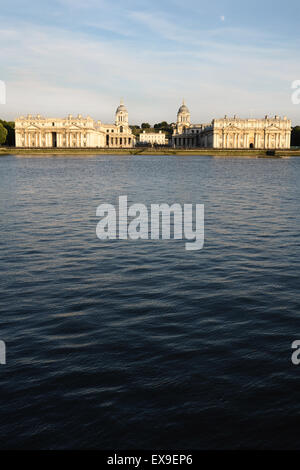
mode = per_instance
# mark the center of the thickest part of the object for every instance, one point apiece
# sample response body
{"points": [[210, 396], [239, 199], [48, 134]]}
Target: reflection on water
{"points": [[126, 344]]}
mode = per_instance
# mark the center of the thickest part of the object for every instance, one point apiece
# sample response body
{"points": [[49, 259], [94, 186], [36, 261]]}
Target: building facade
{"points": [[74, 132], [232, 133], [153, 138], [120, 134], [185, 133]]}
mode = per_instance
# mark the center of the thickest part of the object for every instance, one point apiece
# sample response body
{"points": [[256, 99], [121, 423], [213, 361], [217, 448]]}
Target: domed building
{"points": [[186, 134], [183, 117], [119, 135], [232, 133], [74, 132], [121, 114]]}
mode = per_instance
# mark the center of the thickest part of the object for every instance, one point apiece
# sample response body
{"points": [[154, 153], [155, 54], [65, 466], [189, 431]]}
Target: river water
{"points": [[142, 344]]}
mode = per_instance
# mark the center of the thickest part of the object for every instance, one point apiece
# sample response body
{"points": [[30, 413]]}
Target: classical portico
{"points": [[74, 132], [235, 133], [232, 133]]}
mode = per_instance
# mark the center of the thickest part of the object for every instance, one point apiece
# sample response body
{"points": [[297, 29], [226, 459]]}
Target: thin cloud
{"points": [[55, 71]]}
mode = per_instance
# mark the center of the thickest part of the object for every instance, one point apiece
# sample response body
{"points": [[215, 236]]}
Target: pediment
{"points": [[74, 128], [273, 128], [32, 127]]}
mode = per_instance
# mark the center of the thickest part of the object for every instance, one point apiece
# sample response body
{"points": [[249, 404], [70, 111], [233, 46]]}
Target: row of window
{"points": [[121, 130], [118, 141]]}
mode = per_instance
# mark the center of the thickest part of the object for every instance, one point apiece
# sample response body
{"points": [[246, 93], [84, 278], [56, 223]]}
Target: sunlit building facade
{"points": [[153, 138], [74, 132], [232, 133]]}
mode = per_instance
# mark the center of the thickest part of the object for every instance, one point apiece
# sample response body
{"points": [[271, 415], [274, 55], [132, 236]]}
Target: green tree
{"points": [[10, 127], [295, 142], [3, 134], [10, 139], [165, 127], [135, 130], [146, 125]]}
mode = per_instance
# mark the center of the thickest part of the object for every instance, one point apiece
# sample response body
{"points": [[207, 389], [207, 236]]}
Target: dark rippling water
{"points": [[124, 344]]}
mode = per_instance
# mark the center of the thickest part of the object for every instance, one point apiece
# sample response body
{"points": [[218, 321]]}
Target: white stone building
{"points": [[75, 132], [186, 134], [153, 138], [232, 133]]}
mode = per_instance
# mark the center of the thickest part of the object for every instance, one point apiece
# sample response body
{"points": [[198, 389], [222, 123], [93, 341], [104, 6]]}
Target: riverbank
{"points": [[148, 151]]}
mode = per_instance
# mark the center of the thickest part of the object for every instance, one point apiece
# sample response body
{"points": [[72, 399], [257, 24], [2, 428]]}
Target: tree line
{"points": [[161, 126], [7, 133], [295, 142]]}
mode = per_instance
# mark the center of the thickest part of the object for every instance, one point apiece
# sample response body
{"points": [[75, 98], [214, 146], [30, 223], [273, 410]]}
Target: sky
{"points": [[228, 57]]}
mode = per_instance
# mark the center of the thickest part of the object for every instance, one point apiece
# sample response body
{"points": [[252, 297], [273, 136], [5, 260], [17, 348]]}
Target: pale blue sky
{"points": [[81, 56]]}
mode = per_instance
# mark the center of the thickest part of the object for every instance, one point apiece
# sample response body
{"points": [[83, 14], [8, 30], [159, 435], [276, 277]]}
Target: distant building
{"points": [[186, 134], [119, 135], [153, 138], [75, 132], [232, 133]]}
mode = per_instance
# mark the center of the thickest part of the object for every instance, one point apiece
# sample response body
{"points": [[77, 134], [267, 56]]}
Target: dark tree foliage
{"points": [[295, 136], [10, 135], [135, 129], [3, 134], [146, 125], [164, 127]]}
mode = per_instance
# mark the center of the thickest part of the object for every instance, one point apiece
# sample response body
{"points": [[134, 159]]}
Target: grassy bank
{"points": [[148, 151]]}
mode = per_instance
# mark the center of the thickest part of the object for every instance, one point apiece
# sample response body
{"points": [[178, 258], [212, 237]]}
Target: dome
{"points": [[121, 107], [183, 109]]}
